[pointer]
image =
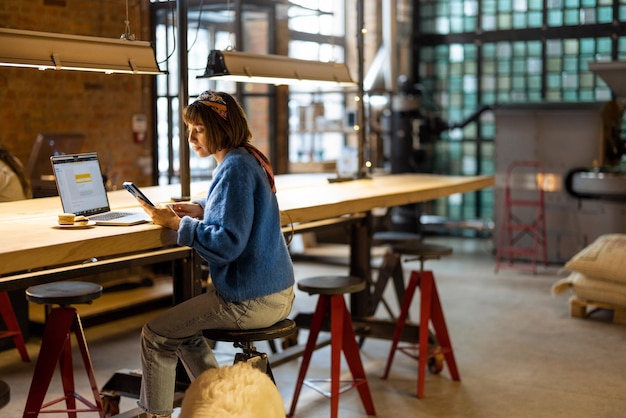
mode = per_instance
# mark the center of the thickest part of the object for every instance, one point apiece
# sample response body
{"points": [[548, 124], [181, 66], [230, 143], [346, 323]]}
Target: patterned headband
{"points": [[214, 101]]}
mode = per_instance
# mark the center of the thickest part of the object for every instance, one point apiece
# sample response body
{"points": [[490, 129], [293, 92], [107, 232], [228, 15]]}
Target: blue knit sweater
{"points": [[240, 235]]}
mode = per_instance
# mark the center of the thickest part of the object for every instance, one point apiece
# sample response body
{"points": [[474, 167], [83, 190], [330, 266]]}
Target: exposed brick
{"points": [[97, 105]]}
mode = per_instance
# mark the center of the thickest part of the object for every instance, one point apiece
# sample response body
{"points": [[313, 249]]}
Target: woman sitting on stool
{"points": [[237, 230]]}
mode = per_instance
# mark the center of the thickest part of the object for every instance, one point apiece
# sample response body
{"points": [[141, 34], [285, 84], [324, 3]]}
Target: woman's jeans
{"points": [[177, 333]]}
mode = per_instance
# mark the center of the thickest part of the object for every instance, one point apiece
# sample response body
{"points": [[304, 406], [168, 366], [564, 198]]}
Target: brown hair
{"points": [[16, 166], [223, 133]]}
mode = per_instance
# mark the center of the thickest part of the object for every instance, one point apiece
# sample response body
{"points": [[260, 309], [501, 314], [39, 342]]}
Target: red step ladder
{"points": [[522, 233]]}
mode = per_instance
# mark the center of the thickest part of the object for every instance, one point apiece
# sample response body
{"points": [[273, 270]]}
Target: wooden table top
{"points": [[29, 239]]}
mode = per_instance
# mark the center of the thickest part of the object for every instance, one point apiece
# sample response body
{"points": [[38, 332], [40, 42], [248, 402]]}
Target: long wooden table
{"points": [[33, 251]]}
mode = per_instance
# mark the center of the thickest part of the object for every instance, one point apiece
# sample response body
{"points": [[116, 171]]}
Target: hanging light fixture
{"points": [[274, 69], [53, 51]]}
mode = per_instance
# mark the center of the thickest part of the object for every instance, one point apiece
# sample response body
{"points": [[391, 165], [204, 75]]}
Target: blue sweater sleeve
{"points": [[228, 215]]}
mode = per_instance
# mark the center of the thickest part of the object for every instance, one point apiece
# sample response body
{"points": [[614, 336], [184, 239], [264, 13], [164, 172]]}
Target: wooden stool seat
{"points": [[394, 237], [245, 339], [56, 348], [64, 293], [280, 329], [422, 251], [331, 285], [331, 303]]}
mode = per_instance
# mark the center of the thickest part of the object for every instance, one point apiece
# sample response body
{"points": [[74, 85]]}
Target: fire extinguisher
{"points": [[140, 127]]}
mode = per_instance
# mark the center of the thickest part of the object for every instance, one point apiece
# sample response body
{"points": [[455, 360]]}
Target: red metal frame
{"points": [[343, 340], [56, 348], [430, 311], [512, 228], [13, 328]]}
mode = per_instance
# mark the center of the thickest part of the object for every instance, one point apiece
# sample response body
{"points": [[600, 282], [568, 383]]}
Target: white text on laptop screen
{"points": [[81, 181]]}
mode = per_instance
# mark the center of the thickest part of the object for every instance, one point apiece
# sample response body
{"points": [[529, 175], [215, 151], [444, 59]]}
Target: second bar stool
{"points": [[56, 348], [331, 291]]}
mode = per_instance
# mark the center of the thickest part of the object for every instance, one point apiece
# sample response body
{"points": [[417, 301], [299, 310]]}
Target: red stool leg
{"points": [[84, 351], [315, 327], [430, 311], [13, 328], [67, 376], [353, 358], [441, 330], [55, 337], [425, 310], [404, 313], [56, 348], [336, 347]]}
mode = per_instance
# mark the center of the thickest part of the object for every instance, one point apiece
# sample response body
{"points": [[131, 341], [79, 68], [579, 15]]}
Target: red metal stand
{"points": [[342, 340], [13, 328], [430, 311], [56, 348], [528, 203]]}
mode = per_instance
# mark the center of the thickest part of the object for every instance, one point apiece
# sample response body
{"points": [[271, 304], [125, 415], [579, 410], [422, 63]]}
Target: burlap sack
{"points": [[604, 259], [592, 290]]}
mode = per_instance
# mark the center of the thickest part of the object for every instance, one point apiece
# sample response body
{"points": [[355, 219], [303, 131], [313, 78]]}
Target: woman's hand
{"points": [[161, 215], [193, 210]]}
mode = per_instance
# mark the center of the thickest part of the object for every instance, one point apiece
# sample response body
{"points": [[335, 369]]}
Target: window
{"points": [[316, 33], [468, 69]]}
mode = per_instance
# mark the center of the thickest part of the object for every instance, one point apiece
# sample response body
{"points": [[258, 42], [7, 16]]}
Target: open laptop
{"points": [[81, 189]]}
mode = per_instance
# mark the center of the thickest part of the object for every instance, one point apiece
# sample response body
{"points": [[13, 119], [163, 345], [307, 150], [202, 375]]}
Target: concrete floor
{"points": [[518, 351]]}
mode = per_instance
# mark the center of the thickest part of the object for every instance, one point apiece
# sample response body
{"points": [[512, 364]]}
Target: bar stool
{"points": [[56, 347], [331, 291], [13, 328], [246, 338], [430, 311]]}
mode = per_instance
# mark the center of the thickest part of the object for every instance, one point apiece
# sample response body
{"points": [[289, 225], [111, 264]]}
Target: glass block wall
{"points": [[474, 53]]}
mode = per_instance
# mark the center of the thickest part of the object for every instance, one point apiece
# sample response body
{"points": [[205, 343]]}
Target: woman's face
{"points": [[198, 139]]}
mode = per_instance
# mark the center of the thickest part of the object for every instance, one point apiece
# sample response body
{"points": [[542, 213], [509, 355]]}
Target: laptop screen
{"points": [[80, 183]]}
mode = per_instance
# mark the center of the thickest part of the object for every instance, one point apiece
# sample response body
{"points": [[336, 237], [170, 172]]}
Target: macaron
{"points": [[66, 219]]}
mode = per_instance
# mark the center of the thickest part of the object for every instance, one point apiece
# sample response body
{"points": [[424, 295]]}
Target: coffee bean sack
{"points": [[593, 290], [604, 259]]}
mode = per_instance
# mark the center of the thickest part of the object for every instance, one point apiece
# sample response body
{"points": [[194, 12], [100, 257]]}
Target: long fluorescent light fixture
{"points": [[53, 51], [275, 69], [613, 73]]}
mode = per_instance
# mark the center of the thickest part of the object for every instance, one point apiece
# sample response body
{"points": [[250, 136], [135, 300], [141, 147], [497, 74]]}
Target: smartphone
{"points": [[134, 190]]}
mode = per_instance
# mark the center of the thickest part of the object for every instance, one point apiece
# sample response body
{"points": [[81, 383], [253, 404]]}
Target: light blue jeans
{"points": [[177, 333]]}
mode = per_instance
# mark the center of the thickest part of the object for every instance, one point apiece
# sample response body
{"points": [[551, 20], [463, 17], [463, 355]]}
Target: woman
{"points": [[237, 230], [13, 182]]}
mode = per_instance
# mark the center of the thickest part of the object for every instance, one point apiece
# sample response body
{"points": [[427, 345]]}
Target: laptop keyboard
{"points": [[110, 216]]}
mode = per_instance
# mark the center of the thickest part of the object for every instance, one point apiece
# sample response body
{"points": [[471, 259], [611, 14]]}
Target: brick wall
{"points": [[98, 106]]}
